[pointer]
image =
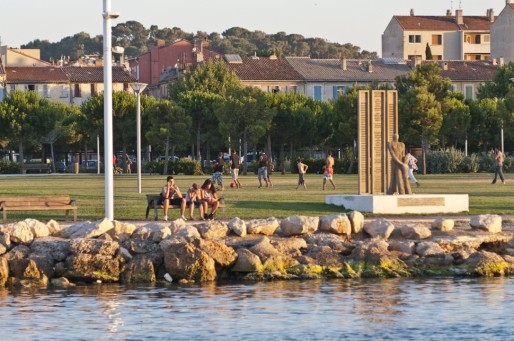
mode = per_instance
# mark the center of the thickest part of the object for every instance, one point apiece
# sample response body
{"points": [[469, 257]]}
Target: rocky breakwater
{"points": [[33, 253]]}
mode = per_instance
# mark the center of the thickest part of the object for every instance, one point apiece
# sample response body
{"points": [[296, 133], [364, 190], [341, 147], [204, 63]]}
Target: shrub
{"points": [[9, 167]]}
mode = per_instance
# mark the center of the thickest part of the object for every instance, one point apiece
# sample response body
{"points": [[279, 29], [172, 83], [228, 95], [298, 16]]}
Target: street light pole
{"points": [[138, 88], [108, 139]]}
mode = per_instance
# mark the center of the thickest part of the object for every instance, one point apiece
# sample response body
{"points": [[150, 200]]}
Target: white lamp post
{"points": [[108, 148], [138, 88]]}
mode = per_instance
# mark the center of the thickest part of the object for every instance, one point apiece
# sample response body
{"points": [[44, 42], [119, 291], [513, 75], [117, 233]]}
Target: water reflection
{"points": [[407, 309]]}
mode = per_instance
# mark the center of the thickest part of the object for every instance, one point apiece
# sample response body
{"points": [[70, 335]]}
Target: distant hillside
{"points": [[135, 38]]}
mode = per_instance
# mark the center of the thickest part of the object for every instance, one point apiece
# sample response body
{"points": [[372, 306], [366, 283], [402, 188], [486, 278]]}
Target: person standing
{"points": [[499, 157], [412, 162], [171, 195], [262, 171], [271, 169], [302, 169], [328, 171], [128, 163], [217, 174], [235, 162]]}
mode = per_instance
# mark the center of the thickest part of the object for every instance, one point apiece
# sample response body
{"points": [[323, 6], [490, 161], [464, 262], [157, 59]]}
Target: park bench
{"points": [[39, 167], [152, 201], [38, 203]]}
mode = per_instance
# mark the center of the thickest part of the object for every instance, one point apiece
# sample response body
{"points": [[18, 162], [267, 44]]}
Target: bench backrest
{"points": [[57, 200]]}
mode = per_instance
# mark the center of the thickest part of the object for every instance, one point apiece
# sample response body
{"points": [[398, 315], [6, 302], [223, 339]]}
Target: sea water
{"points": [[388, 309]]}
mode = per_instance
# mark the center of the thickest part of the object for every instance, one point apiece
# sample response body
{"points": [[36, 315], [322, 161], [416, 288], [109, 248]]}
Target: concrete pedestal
{"points": [[399, 204]]}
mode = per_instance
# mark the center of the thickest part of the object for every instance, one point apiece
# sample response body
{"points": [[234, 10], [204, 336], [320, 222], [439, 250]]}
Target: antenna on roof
{"points": [[451, 5]]}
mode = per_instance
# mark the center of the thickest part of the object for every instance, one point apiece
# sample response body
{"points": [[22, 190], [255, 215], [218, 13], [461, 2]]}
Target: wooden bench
{"points": [[38, 203], [39, 167], [152, 201]]}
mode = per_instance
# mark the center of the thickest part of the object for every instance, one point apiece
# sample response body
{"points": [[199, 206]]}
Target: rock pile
{"points": [[33, 253]]}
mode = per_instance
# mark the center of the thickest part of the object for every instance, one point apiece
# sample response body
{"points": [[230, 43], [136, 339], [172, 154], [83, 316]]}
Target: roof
{"points": [[95, 74], [443, 23], [467, 70], [265, 69], [35, 74], [356, 70]]}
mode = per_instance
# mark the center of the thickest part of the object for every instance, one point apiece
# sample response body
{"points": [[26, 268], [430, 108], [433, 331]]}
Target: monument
{"points": [[383, 181]]}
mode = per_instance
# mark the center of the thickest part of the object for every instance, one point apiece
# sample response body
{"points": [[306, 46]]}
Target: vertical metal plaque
{"points": [[377, 122]]}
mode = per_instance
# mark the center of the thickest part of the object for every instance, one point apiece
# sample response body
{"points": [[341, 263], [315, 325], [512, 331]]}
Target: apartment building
{"points": [[502, 34], [449, 37]]}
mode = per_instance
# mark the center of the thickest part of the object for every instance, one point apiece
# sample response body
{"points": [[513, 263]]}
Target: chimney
{"points": [[445, 66], [501, 61], [370, 67], [160, 42], [458, 17], [494, 61], [343, 64], [490, 14], [412, 12], [448, 13]]}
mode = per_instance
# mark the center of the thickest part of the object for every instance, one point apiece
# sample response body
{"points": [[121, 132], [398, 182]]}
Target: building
{"points": [[449, 37], [163, 63], [502, 33]]}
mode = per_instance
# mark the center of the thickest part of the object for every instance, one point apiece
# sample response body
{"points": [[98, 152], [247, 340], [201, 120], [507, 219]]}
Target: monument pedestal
{"points": [[399, 204]]}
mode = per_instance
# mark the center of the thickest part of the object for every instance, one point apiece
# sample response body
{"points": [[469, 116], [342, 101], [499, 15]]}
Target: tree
{"points": [[200, 92], [25, 119], [428, 53]]}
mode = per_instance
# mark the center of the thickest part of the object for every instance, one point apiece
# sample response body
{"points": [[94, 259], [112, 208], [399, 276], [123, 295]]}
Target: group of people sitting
{"points": [[202, 197]]}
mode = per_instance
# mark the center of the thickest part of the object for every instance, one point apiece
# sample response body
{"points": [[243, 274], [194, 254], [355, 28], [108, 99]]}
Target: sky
{"points": [[360, 23]]}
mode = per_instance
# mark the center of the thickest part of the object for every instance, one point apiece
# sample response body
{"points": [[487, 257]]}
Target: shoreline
{"points": [[35, 254]]}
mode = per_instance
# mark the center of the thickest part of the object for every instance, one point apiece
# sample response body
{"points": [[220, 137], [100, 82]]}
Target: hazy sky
{"points": [[359, 22]]}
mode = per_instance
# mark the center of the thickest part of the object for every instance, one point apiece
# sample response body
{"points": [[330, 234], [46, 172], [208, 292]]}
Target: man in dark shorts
{"points": [[171, 195]]}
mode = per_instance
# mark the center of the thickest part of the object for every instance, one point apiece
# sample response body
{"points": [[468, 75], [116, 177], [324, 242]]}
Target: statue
{"points": [[399, 168]]}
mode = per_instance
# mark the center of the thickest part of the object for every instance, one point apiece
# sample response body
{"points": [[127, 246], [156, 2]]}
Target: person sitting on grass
{"points": [[171, 195], [193, 198], [209, 198]]}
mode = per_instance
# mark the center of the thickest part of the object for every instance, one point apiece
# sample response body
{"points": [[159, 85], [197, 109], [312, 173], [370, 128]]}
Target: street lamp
{"points": [[138, 88], [108, 139]]}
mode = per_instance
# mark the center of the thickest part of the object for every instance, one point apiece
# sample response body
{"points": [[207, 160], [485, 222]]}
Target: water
{"points": [[393, 309]]}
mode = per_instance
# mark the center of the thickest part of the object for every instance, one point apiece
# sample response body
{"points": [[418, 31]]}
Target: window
{"points": [[453, 87], [437, 39], [76, 90], [468, 92], [414, 38], [339, 90], [12, 87], [64, 91], [274, 88], [486, 38], [93, 89], [32, 87], [437, 57], [291, 88], [45, 91], [317, 93]]}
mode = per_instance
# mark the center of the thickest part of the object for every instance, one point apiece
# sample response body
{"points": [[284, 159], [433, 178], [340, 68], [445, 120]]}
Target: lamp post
{"points": [[138, 88], [108, 148]]}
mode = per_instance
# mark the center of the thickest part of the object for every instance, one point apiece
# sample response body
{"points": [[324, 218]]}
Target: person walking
{"points": [[412, 163], [235, 162], [302, 169], [499, 157], [217, 174], [328, 171], [262, 172]]}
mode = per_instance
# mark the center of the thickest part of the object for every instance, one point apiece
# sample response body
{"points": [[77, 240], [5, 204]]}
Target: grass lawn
{"points": [[279, 201]]}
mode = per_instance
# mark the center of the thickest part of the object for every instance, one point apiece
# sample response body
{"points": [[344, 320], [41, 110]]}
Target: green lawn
{"points": [[280, 201]]}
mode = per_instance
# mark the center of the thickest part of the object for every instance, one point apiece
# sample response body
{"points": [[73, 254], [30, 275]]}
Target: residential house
{"points": [[502, 33], [268, 74], [157, 67], [467, 75], [326, 79], [450, 37], [2, 81], [21, 57]]}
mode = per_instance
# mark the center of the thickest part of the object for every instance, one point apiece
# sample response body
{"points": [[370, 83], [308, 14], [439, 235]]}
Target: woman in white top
{"points": [[209, 198]]}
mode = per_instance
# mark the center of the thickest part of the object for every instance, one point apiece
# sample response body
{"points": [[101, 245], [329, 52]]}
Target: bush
{"points": [[185, 166], [9, 167]]}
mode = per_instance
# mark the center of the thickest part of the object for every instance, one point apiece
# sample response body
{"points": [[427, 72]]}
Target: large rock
{"points": [[4, 271], [297, 225], [238, 226], [92, 267], [247, 261], [337, 223], [443, 224], [487, 222], [213, 229], [418, 231], [184, 260], [379, 228], [266, 227], [20, 233], [357, 221], [138, 270], [223, 255], [87, 229]]}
